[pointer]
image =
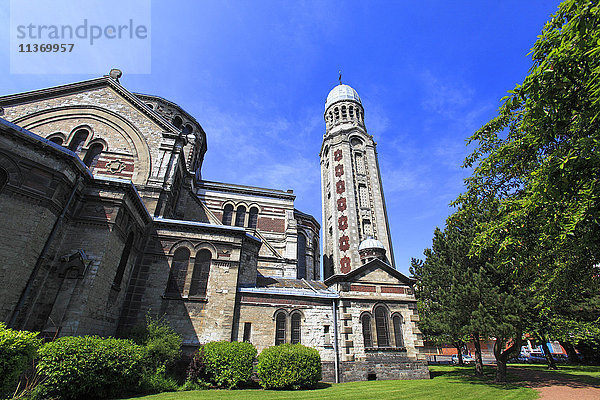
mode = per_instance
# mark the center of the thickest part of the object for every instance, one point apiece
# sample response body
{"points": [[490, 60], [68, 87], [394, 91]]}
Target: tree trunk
{"points": [[571, 353], [459, 347], [502, 355], [500, 371], [478, 360], [547, 353]]}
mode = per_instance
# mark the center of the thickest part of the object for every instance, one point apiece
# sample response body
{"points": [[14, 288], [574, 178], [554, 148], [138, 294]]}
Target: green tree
{"points": [[540, 159], [540, 156]]}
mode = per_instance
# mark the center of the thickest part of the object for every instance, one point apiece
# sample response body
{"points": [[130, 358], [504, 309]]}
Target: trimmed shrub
{"points": [[162, 345], [224, 364], [17, 350], [90, 367], [289, 366]]}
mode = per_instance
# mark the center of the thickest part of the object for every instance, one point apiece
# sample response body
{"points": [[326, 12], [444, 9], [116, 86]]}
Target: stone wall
{"points": [[259, 309], [378, 367], [197, 319]]}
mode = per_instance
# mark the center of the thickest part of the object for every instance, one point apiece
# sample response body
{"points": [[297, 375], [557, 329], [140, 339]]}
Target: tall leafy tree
{"points": [[541, 155], [540, 158]]}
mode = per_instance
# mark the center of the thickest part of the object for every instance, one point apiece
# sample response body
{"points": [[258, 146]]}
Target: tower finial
{"points": [[340, 77]]}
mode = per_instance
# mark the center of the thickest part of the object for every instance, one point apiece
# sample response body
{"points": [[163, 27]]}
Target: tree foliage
{"points": [[539, 159]]}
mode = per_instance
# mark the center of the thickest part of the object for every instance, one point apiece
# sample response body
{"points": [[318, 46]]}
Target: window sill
{"points": [[386, 349], [197, 299]]}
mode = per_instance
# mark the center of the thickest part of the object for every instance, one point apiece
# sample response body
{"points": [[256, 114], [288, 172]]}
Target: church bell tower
{"points": [[352, 194]]}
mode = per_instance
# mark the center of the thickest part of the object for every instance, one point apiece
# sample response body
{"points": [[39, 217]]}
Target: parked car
{"points": [[467, 359]]}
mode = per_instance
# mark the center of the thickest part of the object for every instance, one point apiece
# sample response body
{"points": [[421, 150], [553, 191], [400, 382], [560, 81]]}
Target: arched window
{"points": [[366, 330], [179, 267], [93, 154], [337, 113], [227, 214], [280, 329], [301, 254], [296, 335], [397, 322], [200, 274], [3, 178], [240, 216], [123, 263], [316, 263], [188, 128], [344, 115], [78, 140], [351, 111], [56, 139], [177, 121], [253, 217], [381, 326]]}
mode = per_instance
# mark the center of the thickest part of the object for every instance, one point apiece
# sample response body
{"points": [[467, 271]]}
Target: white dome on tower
{"points": [[370, 243], [341, 92]]}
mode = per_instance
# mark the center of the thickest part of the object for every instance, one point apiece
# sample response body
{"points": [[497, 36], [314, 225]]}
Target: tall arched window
{"points": [[296, 335], [227, 214], [366, 330], [280, 328], [78, 140], [179, 267], [123, 263], [200, 274], [397, 322], [188, 128], [316, 263], [381, 326], [253, 217], [93, 154], [301, 255], [240, 216], [3, 178]]}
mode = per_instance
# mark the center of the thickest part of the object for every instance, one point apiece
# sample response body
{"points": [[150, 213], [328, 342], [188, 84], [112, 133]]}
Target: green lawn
{"points": [[448, 382], [584, 373]]}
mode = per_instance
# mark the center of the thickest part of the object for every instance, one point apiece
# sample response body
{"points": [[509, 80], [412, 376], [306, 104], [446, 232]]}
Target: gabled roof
{"points": [[371, 265], [96, 83]]}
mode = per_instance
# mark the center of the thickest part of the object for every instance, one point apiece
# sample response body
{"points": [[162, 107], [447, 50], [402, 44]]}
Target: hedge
{"points": [[17, 350], [289, 366], [223, 364], [90, 367]]}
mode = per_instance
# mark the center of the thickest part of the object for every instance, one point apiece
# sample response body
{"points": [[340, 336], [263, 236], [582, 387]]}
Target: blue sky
{"points": [[255, 74]]}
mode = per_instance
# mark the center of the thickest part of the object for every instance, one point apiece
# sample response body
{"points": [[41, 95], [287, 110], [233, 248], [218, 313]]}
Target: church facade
{"points": [[106, 218]]}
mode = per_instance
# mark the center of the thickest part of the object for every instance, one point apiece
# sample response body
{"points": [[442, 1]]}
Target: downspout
{"points": [[40, 260], [335, 342]]}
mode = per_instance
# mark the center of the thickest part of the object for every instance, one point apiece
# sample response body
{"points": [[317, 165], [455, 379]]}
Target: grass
{"points": [[583, 373], [447, 382]]}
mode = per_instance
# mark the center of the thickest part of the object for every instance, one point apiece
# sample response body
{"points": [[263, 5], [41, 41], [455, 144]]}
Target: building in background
{"points": [[106, 217]]}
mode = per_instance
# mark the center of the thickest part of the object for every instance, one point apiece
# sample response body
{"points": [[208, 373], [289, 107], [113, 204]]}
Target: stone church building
{"points": [[106, 217]]}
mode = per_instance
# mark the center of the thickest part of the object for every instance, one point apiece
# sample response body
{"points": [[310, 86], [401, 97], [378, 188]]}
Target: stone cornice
{"points": [[96, 83], [228, 187]]}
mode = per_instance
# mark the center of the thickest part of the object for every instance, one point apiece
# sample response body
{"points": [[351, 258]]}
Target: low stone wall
{"points": [[377, 366]]}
